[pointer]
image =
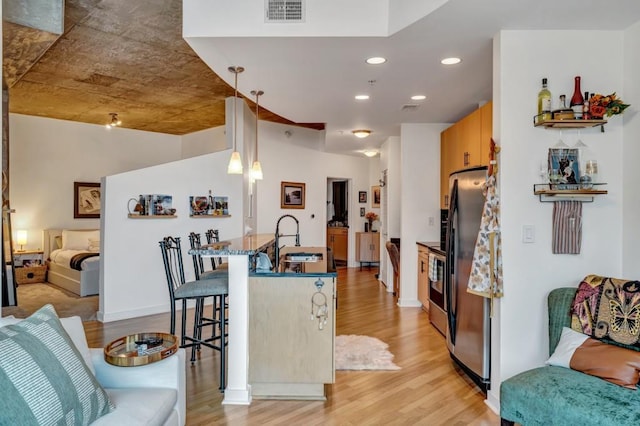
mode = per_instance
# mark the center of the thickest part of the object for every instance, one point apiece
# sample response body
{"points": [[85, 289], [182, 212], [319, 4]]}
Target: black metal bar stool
{"points": [[216, 286]]}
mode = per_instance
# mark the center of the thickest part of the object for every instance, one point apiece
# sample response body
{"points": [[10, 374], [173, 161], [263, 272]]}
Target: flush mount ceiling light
{"points": [[361, 133], [114, 121], [256, 168], [362, 97], [370, 153], [418, 97], [235, 162], [376, 60], [450, 61]]}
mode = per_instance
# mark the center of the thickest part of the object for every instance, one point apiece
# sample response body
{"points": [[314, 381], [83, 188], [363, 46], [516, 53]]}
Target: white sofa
{"points": [[152, 394]]}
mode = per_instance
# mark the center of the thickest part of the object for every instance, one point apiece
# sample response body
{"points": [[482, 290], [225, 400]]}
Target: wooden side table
{"points": [[30, 267]]}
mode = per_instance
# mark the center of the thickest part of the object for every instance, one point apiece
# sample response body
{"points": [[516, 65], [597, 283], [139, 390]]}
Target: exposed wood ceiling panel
{"points": [[117, 56]]}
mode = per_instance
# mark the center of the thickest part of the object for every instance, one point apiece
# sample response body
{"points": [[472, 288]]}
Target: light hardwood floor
{"points": [[429, 389]]}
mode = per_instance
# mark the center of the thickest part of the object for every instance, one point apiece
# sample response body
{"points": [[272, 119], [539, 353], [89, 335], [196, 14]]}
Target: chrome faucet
{"points": [[278, 235]]}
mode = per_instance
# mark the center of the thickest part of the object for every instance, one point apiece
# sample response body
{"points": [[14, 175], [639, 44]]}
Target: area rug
{"points": [[355, 352], [31, 297]]}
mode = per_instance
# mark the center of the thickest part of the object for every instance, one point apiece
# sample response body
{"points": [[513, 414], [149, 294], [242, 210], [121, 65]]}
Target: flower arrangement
{"points": [[371, 216], [599, 105]]}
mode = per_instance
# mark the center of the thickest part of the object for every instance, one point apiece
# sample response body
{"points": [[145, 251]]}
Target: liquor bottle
{"points": [[562, 113], [577, 101], [544, 102], [585, 107]]}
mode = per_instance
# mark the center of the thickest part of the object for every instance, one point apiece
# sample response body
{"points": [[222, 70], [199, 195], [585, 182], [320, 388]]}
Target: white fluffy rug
{"points": [[355, 352]]}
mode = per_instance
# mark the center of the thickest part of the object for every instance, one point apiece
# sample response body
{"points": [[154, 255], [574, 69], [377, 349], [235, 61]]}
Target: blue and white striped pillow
{"points": [[43, 378]]}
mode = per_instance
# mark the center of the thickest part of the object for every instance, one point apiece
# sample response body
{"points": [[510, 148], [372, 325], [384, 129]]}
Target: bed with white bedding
{"points": [[61, 247]]}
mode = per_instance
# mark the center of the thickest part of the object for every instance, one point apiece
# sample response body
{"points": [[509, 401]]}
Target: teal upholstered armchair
{"points": [[553, 395]]}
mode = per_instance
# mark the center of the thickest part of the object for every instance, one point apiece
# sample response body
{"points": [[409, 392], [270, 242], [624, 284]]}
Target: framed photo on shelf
{"points": [[362, 196], [86, 200], [375, 196], [292, 195], [220, 206], [198, 205], [563, 163]]}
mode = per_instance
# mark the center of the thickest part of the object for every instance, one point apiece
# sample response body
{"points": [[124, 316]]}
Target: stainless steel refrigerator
{"points": [[468, 322]]}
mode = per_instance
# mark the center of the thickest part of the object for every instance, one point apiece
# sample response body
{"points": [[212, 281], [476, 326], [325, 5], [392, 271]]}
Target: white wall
{"points": [[390, 161], [47, 156], [205, 142], [531, 270], [286, 158], [133, 282], [631, 154], [419, 200]]}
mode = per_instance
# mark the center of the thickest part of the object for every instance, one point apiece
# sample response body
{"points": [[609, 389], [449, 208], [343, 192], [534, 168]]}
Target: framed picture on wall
{"points": [[564, 167], [375, 196], [361, 211], [292, 195], [86, 200], [362, 196]]}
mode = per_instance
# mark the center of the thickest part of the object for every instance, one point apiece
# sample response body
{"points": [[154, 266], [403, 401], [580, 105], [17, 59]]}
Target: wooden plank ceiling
{"points": [[120, 56]]}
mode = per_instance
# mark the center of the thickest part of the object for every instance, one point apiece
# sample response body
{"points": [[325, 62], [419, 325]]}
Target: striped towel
{"points": [[433, 268], [567, 227]]}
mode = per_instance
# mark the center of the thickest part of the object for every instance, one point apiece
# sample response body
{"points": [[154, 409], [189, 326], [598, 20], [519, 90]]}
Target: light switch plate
{"points": [[528, 234]]}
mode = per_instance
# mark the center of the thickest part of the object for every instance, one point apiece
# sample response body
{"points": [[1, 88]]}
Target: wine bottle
{"points": [[577, 101], [585, 107], [544, 102]]}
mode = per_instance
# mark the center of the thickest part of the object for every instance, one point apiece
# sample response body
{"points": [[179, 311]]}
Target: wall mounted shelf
{"points": [[153, 216], [548, 193], [208, 216], [568, 124]]}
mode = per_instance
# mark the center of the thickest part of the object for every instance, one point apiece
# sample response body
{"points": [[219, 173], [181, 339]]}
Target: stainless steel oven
{"points": [[437, 305]]}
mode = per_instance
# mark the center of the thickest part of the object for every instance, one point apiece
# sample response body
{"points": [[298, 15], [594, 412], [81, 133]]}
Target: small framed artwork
{"points": [[361, 211], [292, 195], [375, 196], [362, 196], [564, 167], [86, 200], [198, 205]]}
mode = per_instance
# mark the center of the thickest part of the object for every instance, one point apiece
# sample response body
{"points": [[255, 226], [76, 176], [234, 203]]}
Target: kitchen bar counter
{"points": [[249, 244]]}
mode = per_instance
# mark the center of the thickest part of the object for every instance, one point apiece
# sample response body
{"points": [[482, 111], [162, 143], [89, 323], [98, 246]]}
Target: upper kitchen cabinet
{"points": [[465, 144]]}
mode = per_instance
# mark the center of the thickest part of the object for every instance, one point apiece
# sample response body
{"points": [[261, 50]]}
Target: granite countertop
{"points": [[249, 244], [433, 246]]}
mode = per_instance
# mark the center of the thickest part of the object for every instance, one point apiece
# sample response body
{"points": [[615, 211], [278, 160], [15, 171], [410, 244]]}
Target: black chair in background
{"points": [[216, 286], [198, 261], [394, 255], [213, 236]]}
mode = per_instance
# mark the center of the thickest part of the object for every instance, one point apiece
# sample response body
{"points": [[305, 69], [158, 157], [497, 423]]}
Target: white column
{"points": [[238, 391]]}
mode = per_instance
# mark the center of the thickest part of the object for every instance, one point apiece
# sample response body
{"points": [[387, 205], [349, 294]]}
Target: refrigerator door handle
{"points": [[451, 266]]}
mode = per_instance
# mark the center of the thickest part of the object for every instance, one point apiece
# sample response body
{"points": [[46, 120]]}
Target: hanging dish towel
{"points": [[433, 268], [567, 227], [486, 270]]}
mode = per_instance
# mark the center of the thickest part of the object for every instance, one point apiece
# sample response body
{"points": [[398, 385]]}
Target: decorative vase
{"points": [[370, 226]]}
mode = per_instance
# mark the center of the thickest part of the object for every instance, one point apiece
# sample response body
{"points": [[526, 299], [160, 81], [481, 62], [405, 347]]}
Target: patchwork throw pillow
{"points": [[590, 356], [43, 378]]}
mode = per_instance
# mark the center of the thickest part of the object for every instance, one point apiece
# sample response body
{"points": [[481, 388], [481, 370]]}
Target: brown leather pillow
{"points": [[612, 363]]}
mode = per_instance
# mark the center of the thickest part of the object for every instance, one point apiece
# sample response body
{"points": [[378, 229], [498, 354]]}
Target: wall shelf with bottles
{"points": [[568, 124], [557, 192], [208, 216]]}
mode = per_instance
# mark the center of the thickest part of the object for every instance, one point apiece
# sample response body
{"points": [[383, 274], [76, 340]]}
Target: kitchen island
{"points": [[281, 325]]}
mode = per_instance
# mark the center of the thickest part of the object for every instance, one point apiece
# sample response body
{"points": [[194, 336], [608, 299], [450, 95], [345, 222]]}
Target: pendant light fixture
{"points": [[235, 163], [256, 169]]}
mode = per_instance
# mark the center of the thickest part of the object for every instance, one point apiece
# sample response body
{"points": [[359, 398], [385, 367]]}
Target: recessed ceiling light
{"points": [[370, 153], [450, 61], [361, 133], [376, 60], [419, 97], [362, 97]]}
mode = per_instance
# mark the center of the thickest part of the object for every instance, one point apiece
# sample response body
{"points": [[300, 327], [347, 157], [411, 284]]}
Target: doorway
{"points": [[338, 219]]}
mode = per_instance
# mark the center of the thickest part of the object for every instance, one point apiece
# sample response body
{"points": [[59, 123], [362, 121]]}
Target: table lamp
{"points": [[21, 238]]}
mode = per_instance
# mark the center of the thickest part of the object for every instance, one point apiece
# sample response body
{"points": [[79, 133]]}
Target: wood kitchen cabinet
{"points": [[367, 247], [463, 145], [338, 242], [423, 277]]}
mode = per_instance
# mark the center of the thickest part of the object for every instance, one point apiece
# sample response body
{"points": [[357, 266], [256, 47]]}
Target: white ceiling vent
{"points": [[409, 107], [284, 10]]}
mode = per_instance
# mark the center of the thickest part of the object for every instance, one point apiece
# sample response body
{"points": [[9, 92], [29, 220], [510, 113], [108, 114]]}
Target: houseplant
{"points": [[371, 216]]}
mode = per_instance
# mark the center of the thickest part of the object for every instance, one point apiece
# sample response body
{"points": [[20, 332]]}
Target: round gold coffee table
{"points": [[140, 349]]}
